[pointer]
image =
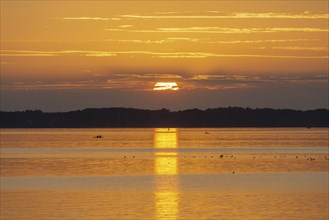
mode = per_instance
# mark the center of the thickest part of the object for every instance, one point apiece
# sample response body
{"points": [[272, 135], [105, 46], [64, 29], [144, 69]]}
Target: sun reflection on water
{"points": [[166, 205], [165, 168]]}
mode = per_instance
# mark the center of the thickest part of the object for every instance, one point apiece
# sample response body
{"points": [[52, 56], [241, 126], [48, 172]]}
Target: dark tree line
{"points": [[129, 117]]}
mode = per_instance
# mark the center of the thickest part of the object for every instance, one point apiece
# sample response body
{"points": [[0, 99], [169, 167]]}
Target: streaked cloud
{"points": [[183, 39], [126, 26], [140, 41], [206, 15], [206, 77], [222, 30], [39, 85], [89, 18], [38, 54], [221, 81], [259, 78], [98, 54], [148, 76], [77, 85], [259, 41], [206, 55], [187, 55], [18, 53], [165, 40], [206, 41], [239, 30], [176, 40], [294, 48], [227, 15]]}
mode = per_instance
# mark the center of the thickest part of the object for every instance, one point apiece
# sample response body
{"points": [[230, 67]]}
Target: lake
{"points": [[165, 173]]}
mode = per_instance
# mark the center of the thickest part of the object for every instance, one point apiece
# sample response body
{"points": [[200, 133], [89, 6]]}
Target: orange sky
{"points": [[112, 46]]}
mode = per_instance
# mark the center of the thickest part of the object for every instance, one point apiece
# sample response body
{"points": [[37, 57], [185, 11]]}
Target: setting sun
{"points": [[166, 86]]}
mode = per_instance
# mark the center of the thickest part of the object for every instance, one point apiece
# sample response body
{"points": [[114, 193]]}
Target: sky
{"points": [[69, 55]]}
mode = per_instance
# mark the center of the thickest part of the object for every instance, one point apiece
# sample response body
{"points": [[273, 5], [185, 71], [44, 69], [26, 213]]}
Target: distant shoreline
{"points": [[230, 117]]}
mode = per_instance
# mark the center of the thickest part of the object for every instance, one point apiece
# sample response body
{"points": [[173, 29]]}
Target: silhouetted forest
{"points": [[129, 117]]}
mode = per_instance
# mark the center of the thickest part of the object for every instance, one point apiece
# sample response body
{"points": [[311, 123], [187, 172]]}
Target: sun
{"points": [[165, 86]]}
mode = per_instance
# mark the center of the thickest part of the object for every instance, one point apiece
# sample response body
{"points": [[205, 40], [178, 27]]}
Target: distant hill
{"points": [[129, 117]]}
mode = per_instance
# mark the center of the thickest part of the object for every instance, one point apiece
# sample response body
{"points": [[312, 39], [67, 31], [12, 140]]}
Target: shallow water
{"points": [[164, 173]]}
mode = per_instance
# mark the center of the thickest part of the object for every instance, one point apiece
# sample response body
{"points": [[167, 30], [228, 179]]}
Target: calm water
{"points": [[164, 173]]}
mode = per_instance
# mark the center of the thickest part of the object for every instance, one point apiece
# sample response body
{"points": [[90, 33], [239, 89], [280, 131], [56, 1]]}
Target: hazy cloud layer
{"points": [[142, 81], [258, 53]]}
